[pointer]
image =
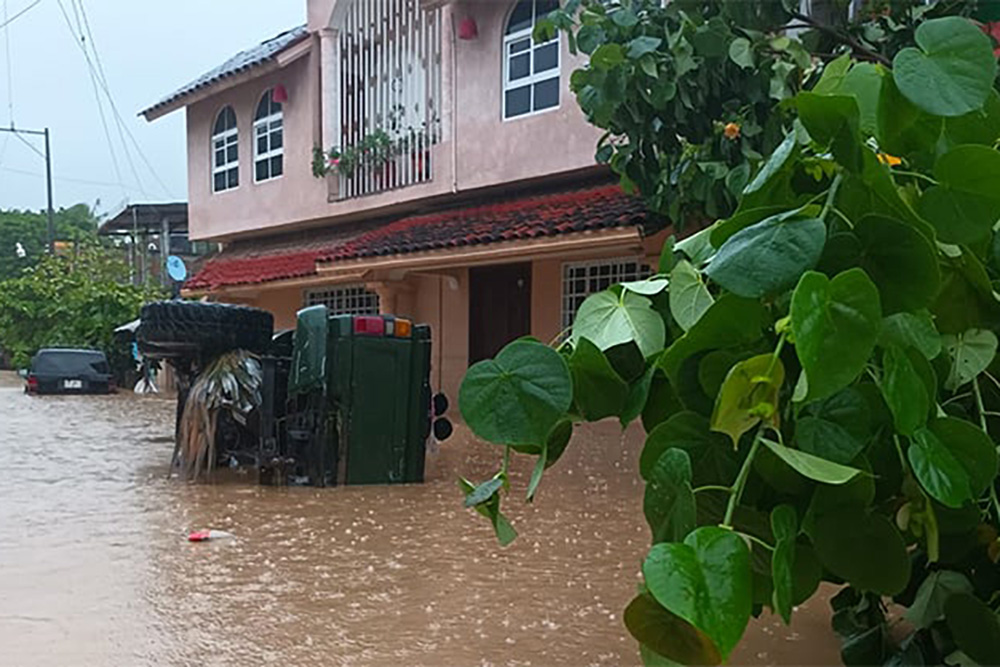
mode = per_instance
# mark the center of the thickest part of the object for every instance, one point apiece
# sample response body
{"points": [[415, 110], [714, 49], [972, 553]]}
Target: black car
{"points": [[62, 371]]}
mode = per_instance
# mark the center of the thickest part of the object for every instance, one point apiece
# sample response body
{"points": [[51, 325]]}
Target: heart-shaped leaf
{"points": [[638, 395], [689, 298], [826, 439], [597, 389], [833, 121], [904, 129], [835, 323], [928, 606], [769, 256], [864, 549], [772, 177], [965, 204], [668, 502], [974, 450], [518, 397], [904, 392], [975, 627], [971, 353], [705, 581], [748, 396], [938, 470], [711, 453], [785, 526], [667, 634], [914, 330], [900, 261], [952, 71], [811, 466], [608, 319]]}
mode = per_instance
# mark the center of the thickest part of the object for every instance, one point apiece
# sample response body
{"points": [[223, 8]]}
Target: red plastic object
{"points": [[32, 384], [467, 28], [280, 94], [369, 325], [200, 536]]}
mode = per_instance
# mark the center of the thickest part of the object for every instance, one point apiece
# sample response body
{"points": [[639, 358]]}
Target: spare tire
{"points": [[209, 327]]}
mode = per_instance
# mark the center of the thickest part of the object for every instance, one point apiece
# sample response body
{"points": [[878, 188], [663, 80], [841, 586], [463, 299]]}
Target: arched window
{"points": [[225, 152], [530, 70], [269, 139]]}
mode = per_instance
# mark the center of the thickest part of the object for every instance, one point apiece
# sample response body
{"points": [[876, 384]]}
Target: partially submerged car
{"points": [[69, 371]]}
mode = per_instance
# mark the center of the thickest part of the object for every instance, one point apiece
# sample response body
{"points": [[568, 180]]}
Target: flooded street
{"points": [[95, 570]]}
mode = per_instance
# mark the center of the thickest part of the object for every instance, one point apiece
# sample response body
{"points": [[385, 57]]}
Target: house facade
{"points": [[461, 190]]}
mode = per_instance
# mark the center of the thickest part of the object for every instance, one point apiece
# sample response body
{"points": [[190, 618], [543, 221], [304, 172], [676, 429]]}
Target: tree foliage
{"points": [[74, 301], [818, 379], [30, 229]]}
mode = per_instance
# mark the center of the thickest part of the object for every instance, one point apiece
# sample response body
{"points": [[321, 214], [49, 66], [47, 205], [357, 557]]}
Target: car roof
{"points": [[69, 350]]}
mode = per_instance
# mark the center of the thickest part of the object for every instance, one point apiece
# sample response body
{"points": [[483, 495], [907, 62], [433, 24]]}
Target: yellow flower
{"points": [[731, 131], [890, 160]]}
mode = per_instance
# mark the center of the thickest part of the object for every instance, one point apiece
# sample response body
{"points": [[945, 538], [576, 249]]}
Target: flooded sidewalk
{"points": [[95, 570]]}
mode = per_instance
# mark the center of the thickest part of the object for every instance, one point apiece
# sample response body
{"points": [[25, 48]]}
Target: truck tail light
{"points": [[368, 325], [404, 328]]}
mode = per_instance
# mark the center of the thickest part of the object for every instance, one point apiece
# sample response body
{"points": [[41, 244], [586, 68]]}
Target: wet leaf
{"points": [[951, 71], [647, 287], [668, 502], [835, 324], [784, 525], [705, 581], [973, 448], [811, 466], [769, 256], [638, 394], [536, 475], [758, 192], [928, 606], [873, 557], [483, 492], [741, 52], [971, 353], [517, 397], [667, 634], [597, 389], [826, 439], [689, 298], [749, 395], [607, 320]]}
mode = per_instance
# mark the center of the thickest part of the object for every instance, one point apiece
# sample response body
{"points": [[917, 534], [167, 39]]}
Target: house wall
{"points": [[294, 195], [478, 148]]}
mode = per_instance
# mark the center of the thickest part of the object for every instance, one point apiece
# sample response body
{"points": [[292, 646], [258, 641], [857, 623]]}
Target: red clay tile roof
{"points": [[254, 261], [544, 215]]}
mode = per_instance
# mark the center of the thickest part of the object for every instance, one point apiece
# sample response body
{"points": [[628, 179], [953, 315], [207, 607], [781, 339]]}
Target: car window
{"points": [[69, 362]]}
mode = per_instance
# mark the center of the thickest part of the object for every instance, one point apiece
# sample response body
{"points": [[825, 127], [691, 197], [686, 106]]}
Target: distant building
{"points": [[477, 207]]}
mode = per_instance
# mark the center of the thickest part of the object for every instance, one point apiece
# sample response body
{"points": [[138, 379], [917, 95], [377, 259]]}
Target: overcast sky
{"points": [[148, 49]]}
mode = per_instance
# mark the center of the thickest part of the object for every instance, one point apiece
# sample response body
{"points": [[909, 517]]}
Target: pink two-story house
{"points": [[478, 209]]}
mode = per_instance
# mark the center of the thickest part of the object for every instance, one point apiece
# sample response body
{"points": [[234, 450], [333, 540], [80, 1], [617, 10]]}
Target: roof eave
{"points": [[301, 48]]}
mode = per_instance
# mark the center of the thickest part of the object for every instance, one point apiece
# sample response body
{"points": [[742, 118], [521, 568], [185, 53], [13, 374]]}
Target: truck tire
{"points": [[211, 327]]}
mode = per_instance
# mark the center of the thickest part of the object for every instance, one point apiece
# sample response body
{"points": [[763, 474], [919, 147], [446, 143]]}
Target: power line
{"points": [[82, 181], [27, 143], [114, 107], [104, 125], [8, 21]]}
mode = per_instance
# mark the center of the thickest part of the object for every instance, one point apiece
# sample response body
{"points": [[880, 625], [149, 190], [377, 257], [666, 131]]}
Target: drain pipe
{"points": [[454, 99]]}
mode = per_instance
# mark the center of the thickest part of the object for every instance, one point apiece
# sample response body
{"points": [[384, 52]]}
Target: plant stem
{"points": [[776, 354], [979, 405], [899, 450], [741, 479], [914, 174], [712, 487], [857, 46], [837, 212], [757, 540], [831, 196]]}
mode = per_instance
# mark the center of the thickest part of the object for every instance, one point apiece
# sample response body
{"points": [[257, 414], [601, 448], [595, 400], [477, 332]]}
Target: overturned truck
{"points": [[338, 400]]}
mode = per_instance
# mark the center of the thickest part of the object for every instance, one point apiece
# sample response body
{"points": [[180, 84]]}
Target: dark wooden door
{"points": [[499, 308]]}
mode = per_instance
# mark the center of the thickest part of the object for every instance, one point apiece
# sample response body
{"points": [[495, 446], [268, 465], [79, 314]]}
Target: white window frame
{"points": [[619, 270], [348, 299], [533, 77], [223, 141], [271, 124]]}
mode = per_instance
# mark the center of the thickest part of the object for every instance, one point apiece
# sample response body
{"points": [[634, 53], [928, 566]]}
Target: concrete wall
{"points": [[478, 148]]}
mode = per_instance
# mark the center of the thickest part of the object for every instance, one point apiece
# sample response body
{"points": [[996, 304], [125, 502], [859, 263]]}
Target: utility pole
{"points": [[48, 176]]}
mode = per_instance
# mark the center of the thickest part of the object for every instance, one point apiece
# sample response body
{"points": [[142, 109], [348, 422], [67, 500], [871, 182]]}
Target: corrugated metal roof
{"points": [[241, 62]]}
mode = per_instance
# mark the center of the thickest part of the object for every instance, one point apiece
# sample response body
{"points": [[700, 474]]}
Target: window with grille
{"points": [[225, 152], [581, 279], [530, 70], [345, 300], [269, 139]]}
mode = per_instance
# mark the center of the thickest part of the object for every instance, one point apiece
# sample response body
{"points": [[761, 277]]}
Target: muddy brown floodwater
{"points": [[95, 570]]}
